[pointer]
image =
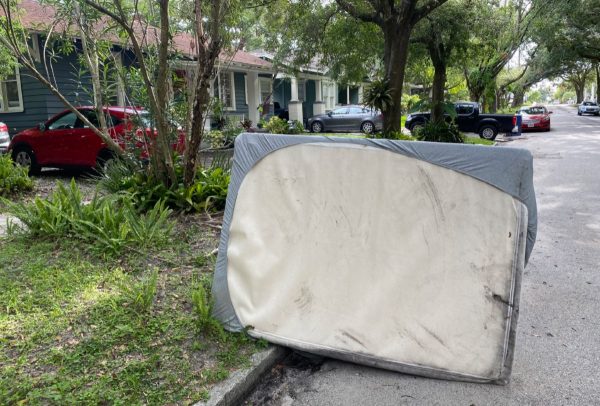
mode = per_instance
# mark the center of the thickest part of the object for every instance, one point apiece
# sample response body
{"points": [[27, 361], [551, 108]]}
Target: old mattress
{"points": [[401, 255]]}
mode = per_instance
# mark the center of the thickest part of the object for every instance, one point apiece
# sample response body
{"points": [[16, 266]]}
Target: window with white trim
{"points": [[227, 90], [11, 99]]}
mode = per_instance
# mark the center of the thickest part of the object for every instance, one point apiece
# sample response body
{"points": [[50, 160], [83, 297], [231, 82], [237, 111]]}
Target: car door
{"points": [[85, 143], [337, 119], [465, 117], [355, 118], [54, 142]]}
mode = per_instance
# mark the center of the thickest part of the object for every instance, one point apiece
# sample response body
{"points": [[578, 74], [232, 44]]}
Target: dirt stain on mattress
{"points": [[305, 299]]}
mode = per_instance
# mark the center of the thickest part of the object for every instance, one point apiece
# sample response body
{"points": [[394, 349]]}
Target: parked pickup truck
{"points": [[469, 119]]}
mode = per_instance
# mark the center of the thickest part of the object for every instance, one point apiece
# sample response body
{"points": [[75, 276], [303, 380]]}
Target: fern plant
{"points": [[440, 132], [379, 95], [107, 223], [13, 178]]}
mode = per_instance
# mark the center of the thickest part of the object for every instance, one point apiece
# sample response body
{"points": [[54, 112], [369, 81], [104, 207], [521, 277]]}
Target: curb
{"points": [[232, 390]]}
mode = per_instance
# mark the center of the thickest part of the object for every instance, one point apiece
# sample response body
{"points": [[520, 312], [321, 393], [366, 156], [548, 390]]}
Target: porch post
{"points": [[294, 89], [318, 105], [295, 105], [347, 94], [253, 87], [360, 94]]}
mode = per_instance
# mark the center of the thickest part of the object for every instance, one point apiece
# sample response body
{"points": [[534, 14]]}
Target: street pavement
{"points": [[557, 360]]}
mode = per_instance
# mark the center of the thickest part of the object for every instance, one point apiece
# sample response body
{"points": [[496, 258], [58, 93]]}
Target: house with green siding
{"points": [[248, 84]]}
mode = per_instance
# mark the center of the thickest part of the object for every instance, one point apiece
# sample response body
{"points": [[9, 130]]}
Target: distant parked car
{"points": [[4, 138], [64, 140], [535, 118], [352, 118], [588, 107], [469, 118]]}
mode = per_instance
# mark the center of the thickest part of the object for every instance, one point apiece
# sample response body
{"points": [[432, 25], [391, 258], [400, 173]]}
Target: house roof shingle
{"points": [[38, 17]]}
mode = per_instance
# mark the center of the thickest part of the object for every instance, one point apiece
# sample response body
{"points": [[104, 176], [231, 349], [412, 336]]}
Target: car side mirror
{"points": [[329, 113], [42, 127]]}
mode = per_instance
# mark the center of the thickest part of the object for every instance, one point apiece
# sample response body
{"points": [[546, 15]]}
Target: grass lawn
{"points": [[478, 141], [78, 327]]}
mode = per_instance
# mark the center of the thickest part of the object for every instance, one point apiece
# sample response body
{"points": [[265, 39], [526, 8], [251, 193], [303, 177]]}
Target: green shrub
{"points": [[108, 223], [440, 132], [409, 101], [13, 178], [296, 127], [224, 137], [215, 138], [207, 193], [230, 132], [277, 126]]}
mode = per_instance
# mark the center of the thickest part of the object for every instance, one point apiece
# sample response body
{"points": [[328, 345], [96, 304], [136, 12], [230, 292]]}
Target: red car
{"points": [[535, 118], [64, 141]]}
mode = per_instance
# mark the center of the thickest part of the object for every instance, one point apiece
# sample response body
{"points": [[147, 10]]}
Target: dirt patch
{"points": [[48, 180], [278, 388]]}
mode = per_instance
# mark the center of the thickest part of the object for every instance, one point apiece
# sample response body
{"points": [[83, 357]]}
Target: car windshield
{"points": [[533, 110], [589, 104], [141, 119]]}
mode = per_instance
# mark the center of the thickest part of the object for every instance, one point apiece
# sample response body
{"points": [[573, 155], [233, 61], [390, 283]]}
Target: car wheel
{"points": [[488, 132], [414, 129], [316, 127], [24, 156], [579, 113], [597, 114], [367, 127]]}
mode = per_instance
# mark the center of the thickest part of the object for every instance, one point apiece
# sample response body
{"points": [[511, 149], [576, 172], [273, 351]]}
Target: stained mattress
{"points": [[401, 255]]}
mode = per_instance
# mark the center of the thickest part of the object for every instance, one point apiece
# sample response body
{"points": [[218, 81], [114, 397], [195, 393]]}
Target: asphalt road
{"points": [[557, 360]]}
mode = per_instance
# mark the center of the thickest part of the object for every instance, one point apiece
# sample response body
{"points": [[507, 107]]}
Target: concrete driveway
{"points": [[557, 358]]}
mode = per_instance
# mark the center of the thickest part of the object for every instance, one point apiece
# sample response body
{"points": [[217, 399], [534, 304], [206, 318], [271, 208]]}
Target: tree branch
{"points": [[360, 15], [425, 9]]}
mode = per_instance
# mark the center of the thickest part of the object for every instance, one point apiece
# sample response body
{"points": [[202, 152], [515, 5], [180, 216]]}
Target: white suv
{"points": [[588, 107]]}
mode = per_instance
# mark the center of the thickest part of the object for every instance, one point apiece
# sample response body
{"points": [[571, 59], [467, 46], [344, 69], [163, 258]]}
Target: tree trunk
{"points": [[437, 94], [519, 98], [437, 55], [199, 115], [476, 94], [396, 38], [164, 168], [579, 91]]}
